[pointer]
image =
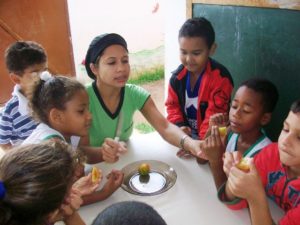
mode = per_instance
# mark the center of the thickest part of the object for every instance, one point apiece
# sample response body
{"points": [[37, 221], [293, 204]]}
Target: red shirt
{"points": [[213, 97], [281, 189]]}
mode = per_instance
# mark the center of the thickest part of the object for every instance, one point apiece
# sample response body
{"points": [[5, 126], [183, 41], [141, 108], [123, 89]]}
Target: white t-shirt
{"points": [[262, 142], [44, 132]]}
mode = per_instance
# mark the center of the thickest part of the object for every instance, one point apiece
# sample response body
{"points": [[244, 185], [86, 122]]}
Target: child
{"points": [[273, 173], [201, 86], [113, 102], [129, 213], [34, 181], [61, 105], [22, 59], [251, 109]]}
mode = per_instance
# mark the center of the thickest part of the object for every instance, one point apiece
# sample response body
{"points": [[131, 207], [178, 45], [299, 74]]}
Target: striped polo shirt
{"points": [[16, 124]]}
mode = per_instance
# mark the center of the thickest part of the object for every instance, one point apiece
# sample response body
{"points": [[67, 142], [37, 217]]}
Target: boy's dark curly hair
{"points": [[23, 54], [198, 27]]}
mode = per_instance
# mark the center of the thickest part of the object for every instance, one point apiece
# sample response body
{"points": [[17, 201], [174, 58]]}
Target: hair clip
{"points": [[2, 190], [45, 76]]}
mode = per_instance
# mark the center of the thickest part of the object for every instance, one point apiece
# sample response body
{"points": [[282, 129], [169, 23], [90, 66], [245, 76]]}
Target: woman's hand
{"points": [[112, 149]]}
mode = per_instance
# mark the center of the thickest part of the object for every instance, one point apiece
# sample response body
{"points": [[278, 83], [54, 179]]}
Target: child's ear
{"points": [[55, 117], [15, 78], [266, 118], [212, 49]]}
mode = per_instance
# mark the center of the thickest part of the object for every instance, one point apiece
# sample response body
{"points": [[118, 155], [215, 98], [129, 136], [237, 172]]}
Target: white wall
{"points": [[175, 12], [86, 23]]}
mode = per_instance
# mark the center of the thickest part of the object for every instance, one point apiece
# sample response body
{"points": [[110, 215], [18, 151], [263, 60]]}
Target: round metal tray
{"points": [[160, 179]]}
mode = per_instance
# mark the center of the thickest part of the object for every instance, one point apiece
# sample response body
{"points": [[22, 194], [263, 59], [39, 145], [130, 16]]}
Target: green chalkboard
{"points": [[259, 42]]}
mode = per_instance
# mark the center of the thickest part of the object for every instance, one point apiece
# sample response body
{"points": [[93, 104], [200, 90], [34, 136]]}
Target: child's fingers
{"points": [[228, 162], [109, 175], [216, 135], [202, 155], [66, 210], [252, 165], [237, 156]]}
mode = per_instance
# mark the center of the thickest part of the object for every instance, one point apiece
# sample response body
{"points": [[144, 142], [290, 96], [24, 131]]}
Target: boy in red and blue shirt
{"points": [[201, 86], [274, 173]]}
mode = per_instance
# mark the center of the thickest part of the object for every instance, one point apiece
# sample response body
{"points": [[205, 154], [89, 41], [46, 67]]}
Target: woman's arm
{"points": [[170, 132]]}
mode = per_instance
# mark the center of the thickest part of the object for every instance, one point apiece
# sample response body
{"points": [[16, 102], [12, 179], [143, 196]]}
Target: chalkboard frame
{"points": [[291, 4]]}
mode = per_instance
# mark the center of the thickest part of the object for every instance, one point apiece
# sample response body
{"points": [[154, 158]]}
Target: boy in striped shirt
{"points": [[24, 60]]}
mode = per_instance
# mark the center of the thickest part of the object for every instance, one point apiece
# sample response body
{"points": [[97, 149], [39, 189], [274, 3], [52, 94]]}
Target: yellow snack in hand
{"points": [[222, 131], [95, 174], [243, 164]]}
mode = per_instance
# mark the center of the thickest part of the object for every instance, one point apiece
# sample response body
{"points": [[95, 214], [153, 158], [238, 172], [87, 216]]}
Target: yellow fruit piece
{"points": [[222, 131], [243, 164], [144, 169], [95, 175]]}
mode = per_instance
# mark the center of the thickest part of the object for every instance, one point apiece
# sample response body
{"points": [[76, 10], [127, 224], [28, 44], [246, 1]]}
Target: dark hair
{"points": [[295, 108], [266, 89], [23, 54], [129, 213], [36, 179], [97, 47], [198, 27], [53, 93]]}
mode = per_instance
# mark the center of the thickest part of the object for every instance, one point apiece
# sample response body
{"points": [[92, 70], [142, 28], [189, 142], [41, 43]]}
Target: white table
{"points": [[192, 200]]}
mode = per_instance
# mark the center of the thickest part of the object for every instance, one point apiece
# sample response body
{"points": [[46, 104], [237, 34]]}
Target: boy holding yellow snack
{"points": [[251, 109], [273, 173]]}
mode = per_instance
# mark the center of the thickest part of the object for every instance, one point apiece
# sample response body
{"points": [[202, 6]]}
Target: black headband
{"points": [[98, 45]]}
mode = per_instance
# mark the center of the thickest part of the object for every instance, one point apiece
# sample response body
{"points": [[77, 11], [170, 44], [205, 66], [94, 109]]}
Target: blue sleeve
{"points": [[6, 127]]}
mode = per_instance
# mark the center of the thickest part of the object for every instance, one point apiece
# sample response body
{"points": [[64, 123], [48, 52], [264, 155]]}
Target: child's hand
{"points": [[219, 119], [79, 171], [213, 147], [230, 159], [71, 203], [186, 130], [111, 150], [85, 184], [115, 179], [245, 185]]}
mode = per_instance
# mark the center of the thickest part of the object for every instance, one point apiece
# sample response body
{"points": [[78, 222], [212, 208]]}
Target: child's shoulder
{"points": [[179, 69], [270, 149], [222, 70], [10, 105], [267, 153], [178, 75]]}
